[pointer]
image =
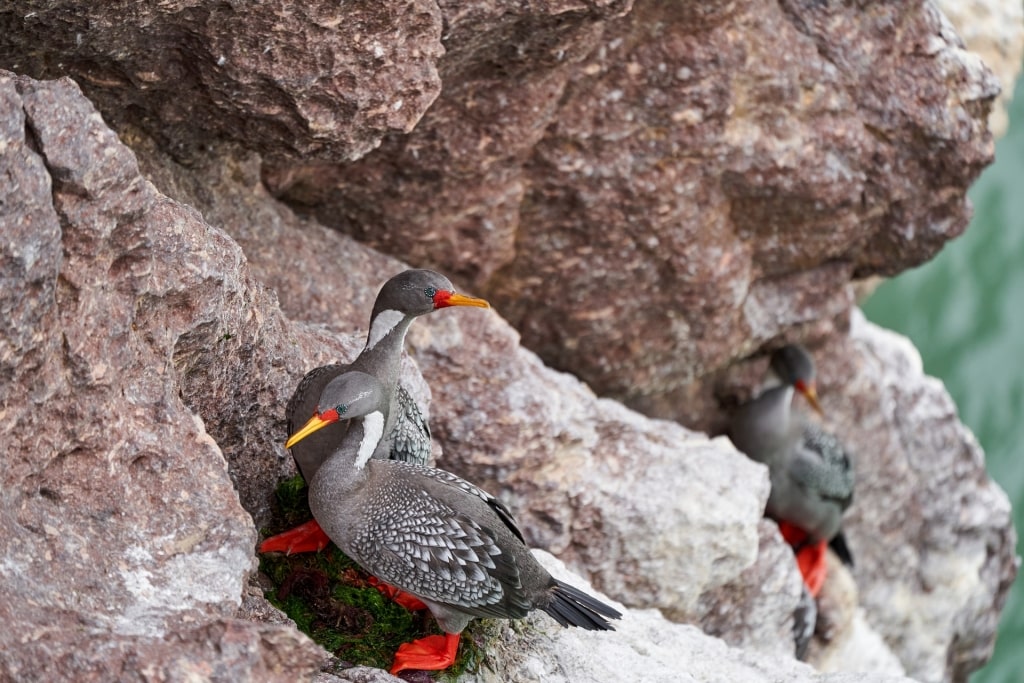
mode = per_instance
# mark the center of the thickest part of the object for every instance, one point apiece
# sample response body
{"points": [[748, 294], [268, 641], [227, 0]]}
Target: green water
{"points": [[965, 312]]}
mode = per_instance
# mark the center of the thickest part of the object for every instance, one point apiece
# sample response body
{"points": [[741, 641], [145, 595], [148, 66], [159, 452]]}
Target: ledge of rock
{"points": [[701, 180], [649, 193], [645, 644], [293, 81]]}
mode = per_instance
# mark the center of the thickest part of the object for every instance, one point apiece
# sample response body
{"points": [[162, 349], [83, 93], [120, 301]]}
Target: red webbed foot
{"points": [[810, 557], [432, 653], [307, 538], [813, 566], [406, 600]]}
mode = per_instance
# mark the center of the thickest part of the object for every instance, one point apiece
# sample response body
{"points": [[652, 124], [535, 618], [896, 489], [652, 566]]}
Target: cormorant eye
{"points": [[430, 292], [341, 408]]}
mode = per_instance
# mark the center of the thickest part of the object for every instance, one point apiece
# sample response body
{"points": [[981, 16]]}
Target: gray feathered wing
{"points": [[823, 468], [429, 548], [410, 437]]}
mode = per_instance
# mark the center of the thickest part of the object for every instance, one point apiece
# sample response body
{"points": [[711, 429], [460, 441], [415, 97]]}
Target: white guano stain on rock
{"points": [[181, 584]]}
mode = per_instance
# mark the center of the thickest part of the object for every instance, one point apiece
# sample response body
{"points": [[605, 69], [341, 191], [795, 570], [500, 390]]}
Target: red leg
{"points": [[810, 557], [813, 566], [406, 600], [310, 538], [792, 534], [432, 653], [307, 538]]}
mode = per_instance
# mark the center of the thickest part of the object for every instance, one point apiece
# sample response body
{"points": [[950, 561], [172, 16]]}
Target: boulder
{"points": [[124, 547], [700, 179], [994, 30], [293, 81]]}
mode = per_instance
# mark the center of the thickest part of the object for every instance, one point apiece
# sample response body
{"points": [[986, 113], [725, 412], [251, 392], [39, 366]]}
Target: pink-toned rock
{"points": [[650, 193], [224, 650], [506, 67], [120, 526], [300, 81], [571, 465], [633, 188], [159, 316]]}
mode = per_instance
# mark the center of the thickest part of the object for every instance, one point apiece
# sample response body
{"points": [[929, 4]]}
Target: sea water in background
{"points": [[964, 311]]}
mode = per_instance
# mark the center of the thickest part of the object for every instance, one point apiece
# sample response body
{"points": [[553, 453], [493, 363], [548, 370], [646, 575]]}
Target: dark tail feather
{"points": [[838, 545], [572, 607]]}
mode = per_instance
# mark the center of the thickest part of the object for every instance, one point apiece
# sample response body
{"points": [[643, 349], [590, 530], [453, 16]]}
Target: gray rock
{"points": [[993, 30], [645, 645], [931, 533]]}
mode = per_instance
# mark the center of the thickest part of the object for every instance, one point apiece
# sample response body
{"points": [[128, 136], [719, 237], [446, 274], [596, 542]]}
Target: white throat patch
{"points": [[373, 430], [771, 380], [382, 326]]}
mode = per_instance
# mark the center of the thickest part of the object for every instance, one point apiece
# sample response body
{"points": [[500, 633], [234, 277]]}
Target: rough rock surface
{"points": [[715, 157], [701, 178], [118, 522], [738, 192], [931, 532], [158, 314], [994, 30], [293, 80], [644, 644]]}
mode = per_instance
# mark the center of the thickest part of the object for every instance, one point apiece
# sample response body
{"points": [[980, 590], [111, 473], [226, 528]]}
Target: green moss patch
{"points": [[330, 600]]}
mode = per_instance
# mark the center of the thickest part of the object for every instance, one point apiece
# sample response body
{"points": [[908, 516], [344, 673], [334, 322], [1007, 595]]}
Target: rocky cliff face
{"points": [[649, 193]]}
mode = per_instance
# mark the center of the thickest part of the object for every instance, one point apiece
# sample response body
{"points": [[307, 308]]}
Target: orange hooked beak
{"points": [[315, 423], [443, 299], [810, 392]]}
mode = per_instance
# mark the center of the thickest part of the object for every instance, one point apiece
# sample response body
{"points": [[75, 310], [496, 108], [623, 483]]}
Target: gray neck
{"points": [[775, 408], [347, 466], [771, 381], [765, 424], [382, 355]]}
